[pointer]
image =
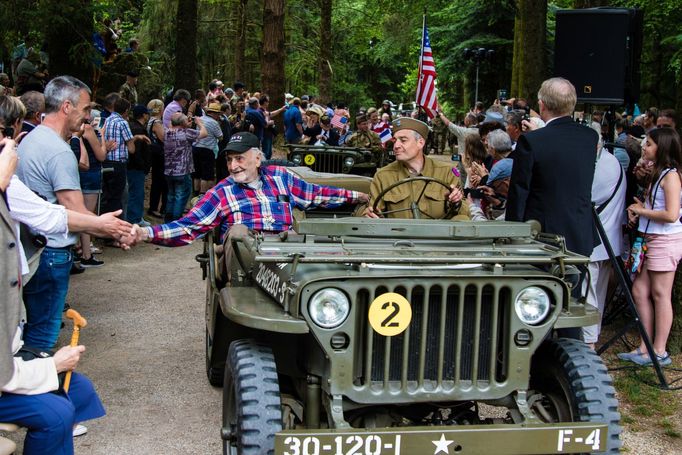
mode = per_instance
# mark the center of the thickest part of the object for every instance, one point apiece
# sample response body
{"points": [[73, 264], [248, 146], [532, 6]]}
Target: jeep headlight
{"points": [[328, 308], [532, 305], [296, 158], [348, 162]]}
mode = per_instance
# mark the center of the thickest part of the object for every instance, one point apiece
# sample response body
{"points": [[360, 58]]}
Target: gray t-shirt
{"points": [[47, 165], [214, 135]]}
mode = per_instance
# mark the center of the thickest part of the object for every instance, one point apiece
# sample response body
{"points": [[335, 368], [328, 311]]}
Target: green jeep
{"points": [[360, 336], [339, 160]]}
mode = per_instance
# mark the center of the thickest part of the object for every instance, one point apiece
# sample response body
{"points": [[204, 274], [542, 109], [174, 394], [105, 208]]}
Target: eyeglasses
{"points": [[664, 126]]}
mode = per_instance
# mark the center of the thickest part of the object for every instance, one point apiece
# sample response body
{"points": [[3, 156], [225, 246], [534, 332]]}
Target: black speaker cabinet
{"points": [[598, 50]]}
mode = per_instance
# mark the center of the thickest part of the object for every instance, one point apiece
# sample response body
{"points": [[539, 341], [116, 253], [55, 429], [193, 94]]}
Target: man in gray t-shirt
{"points": [[49, 168]]}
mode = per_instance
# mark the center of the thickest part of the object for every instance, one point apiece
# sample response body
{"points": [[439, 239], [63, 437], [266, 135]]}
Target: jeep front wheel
{"points": [[252, 410], [570, 383]]}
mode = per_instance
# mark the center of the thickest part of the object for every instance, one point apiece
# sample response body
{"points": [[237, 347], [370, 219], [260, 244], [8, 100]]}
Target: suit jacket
{"points": [[10, 297], [551, 182]]}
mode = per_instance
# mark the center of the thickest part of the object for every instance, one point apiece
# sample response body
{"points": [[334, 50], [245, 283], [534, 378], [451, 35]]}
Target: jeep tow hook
{"points": [[227, 434]]}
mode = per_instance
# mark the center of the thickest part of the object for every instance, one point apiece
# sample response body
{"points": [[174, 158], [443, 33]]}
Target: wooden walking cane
{"points": [[78, 322]]}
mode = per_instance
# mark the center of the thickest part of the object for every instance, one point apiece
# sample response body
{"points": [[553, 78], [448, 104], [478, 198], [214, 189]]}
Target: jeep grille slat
{"points": [[470, 321], [328, 162]]}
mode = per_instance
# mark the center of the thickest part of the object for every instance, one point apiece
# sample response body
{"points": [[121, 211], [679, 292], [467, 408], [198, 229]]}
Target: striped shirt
{"points": [[265, 207], [117, 129]]}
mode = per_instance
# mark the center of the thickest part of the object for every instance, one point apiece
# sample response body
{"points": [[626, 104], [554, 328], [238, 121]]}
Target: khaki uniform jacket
{"points": [[364, 139], [434, 201], [10, 292], [129, 93]]}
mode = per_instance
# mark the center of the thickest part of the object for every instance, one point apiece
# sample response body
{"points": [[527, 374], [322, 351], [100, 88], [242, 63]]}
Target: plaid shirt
{"points": [[117, 129], [267, 209]]}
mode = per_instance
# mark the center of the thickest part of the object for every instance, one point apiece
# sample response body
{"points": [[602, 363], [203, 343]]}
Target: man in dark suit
{"points": [[551, 180]]}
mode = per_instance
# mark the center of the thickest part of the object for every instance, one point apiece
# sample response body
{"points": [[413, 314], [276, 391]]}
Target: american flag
{"points": [[339, 121], [426, 82]]}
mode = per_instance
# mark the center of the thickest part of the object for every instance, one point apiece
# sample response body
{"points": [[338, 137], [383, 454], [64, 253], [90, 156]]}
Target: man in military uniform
{"points": [[431, 200], [440, 135], [128, 90], [363, 137]]}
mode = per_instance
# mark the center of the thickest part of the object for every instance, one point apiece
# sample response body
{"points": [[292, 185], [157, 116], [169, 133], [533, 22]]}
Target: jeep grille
{"points": [[473, 321], [328, 162]]}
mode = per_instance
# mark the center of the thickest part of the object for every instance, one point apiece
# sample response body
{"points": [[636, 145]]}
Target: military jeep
{"points": [[360, 336], [339, 160]]}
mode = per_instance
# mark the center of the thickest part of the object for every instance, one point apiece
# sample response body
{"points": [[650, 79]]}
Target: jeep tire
{"points": [[252, 410], [570, 383]]}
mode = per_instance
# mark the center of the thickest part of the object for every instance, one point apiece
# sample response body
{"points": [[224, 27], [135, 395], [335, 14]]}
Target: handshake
{"points": [[125, 234]]}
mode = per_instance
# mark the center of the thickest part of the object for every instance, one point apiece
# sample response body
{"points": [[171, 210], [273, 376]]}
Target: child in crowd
{"points": [[660, 226]]}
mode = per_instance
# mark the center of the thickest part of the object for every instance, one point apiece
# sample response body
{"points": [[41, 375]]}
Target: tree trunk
{"points": [[186, 45], [240, 44], [272, 64], [325, 73], [530, 37]]}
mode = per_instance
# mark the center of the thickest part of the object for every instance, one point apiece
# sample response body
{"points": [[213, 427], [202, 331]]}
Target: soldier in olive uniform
{"points": [[432, 200], [363, 137], [128, 90], [440, 135]]}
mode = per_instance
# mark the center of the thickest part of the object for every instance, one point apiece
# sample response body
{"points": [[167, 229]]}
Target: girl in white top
{"points": [[659, 221]]}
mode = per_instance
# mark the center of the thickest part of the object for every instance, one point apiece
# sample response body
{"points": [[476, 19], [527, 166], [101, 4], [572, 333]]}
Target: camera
{"points": [[526, 115], [475, 193]]}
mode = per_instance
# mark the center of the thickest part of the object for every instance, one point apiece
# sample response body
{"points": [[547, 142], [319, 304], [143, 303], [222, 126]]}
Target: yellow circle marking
{"points": [[309, 160], [390, 314]]}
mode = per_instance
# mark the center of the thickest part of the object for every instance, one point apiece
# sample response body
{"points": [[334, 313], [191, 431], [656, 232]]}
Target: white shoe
{"points": [[79, 430]]}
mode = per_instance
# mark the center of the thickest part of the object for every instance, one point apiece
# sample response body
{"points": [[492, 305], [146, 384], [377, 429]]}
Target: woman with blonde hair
{"points": [[159, 188]]}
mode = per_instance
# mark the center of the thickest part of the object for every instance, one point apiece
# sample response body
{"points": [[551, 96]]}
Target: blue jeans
{"points": [[267, 145], [50, 417], [135, 196], [44, 298], [179, 189]]}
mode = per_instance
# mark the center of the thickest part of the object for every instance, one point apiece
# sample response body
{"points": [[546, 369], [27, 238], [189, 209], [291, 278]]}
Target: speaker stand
{"points": [[626, 286]]}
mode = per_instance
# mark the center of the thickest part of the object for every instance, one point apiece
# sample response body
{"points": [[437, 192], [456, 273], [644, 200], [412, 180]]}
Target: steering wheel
{"points": [[414, 206]]}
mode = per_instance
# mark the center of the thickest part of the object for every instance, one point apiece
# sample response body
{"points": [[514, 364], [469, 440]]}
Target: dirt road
{"points": [[145, 353]]}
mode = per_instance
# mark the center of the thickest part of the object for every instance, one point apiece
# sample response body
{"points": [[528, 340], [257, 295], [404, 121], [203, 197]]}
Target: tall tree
{"points": [[325, 70], [240, 44], [530, 60], [186, 45], [68, 28], [272, 60]]}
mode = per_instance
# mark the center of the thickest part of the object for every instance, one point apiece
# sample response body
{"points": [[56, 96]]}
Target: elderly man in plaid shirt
{"points": [[260, 199], [117, 129]]}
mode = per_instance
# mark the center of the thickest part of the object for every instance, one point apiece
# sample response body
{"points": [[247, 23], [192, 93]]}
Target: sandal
{"points": [[629, 355], [643, 360]]}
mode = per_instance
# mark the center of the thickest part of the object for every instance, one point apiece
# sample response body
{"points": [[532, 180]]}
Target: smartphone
{"points": [[475, 193]]}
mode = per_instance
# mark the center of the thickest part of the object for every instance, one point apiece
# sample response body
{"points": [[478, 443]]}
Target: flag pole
{"points": [[421, 53]]}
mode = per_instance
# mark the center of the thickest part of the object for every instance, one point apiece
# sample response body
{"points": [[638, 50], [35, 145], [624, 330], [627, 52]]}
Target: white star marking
{"points": [[442, 445]]}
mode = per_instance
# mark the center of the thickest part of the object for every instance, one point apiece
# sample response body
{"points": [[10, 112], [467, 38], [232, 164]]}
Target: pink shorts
{"points": [[663, 252]]}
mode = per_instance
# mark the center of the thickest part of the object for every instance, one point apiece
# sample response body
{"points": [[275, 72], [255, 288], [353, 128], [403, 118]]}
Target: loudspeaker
{"points": [[598, 50]]}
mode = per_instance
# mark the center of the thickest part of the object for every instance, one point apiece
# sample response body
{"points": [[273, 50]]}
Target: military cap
{"points": [[360, 118], [408, 123]]}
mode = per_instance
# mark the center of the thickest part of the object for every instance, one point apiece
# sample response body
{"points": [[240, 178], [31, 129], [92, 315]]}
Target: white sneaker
{"points": [[79, 430]]}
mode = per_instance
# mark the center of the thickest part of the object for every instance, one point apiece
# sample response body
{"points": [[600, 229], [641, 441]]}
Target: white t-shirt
{"points": [[606, 175]]}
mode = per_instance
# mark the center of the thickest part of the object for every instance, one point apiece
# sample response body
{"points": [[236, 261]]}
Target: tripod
{"points": [[629, 306]]}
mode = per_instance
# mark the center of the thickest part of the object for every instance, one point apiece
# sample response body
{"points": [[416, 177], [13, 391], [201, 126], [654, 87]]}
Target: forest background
{"points": [[356, 51]]}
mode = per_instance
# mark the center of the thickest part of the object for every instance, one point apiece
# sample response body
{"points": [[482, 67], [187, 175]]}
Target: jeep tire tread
{"points": [[570, 369], [252, 408]]}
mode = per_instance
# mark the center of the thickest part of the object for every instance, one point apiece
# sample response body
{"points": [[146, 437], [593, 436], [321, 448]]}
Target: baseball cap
{"points": [[241, 142], [139, 109]]}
